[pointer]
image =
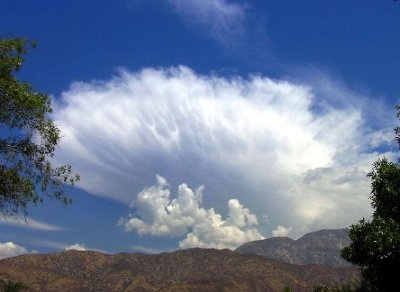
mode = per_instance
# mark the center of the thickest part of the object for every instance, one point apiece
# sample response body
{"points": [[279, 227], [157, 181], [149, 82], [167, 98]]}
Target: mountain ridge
{"points": [[183, 270], [319, 247]]}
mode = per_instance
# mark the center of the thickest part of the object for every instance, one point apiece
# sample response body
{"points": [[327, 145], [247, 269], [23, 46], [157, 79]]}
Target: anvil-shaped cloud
{"points": [[285, 152]]}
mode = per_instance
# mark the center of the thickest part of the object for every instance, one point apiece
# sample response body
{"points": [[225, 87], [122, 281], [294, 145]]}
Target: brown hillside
{"points": [[184, 270]]}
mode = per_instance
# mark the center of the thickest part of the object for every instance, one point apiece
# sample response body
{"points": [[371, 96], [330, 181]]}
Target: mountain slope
{"points": [[320, 247], [184, 270]]}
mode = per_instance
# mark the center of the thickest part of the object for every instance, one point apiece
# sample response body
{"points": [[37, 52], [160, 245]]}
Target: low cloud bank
{"points": [[76, 246], [11, 249]]}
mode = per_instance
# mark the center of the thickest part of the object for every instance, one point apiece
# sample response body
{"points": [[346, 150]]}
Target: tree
{"points": [[375, 244], [28, 137], [11, 286]]}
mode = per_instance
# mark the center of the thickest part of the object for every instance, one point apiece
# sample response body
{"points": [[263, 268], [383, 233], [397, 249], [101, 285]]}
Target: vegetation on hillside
{"points": [[11, 286]]}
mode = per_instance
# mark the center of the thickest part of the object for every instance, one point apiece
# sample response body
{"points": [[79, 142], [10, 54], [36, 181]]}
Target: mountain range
{"points": [[183, 270], [320, 247]]}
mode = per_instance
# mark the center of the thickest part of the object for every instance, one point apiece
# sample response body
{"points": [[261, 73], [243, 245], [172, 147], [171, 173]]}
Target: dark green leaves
{"points": [[375, 244], [28, 138], [11, 286]]}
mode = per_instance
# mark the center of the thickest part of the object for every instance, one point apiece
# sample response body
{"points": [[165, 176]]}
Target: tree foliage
{"points": [[327, 288], [11, 286], [28, 137], [375, 244]]}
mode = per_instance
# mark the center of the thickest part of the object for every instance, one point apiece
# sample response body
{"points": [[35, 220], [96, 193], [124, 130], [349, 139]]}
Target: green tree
{"points": [[28, 137], [11, 286], [375, 244], [346, 288]]}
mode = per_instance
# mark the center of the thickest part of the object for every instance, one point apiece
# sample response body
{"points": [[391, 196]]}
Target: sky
{"points": [[207, 123]]}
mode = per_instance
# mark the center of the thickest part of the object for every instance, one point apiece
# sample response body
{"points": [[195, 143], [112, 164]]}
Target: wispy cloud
{"points": [[221, 19], [146, 249], [48, 243], [29, 223], [288, 150]]}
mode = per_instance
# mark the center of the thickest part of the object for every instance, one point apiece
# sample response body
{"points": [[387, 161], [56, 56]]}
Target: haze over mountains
{"points": [[191, 269]]}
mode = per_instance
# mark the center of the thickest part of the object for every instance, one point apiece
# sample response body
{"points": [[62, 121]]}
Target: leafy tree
{"points": [[346, 288], [11, 286], [375, 244], [28, 137]]}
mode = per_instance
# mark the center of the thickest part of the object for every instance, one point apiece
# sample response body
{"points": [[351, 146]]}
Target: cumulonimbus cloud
{"points": [[156, 213], [277, 146]]}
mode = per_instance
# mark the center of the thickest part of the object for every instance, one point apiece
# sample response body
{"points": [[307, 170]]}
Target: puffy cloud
{"points": [[284, 149], [76, 246], [10, 249], [157, 214], [221, 18], [28, 223], [281, 231], [58, 245]]}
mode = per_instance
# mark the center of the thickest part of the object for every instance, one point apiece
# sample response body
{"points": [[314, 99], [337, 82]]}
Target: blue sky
{"points": [[207, 123]]}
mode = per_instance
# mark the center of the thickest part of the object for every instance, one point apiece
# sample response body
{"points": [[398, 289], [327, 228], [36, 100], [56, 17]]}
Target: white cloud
{"points": [[64, 245], [76, 246], [281, 231], [158, 214], [283, 149], [28, 223], [221, 18], [10, 249]]}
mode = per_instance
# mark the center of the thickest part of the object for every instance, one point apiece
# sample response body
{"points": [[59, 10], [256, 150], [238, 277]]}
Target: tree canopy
{"points": [[375, 244], [28, 137], [11, 286]]}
